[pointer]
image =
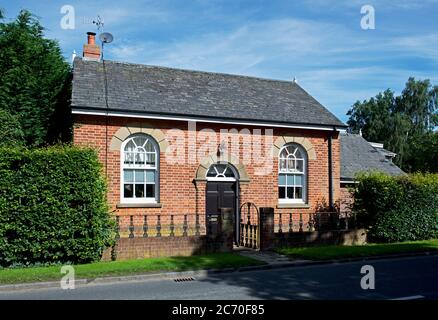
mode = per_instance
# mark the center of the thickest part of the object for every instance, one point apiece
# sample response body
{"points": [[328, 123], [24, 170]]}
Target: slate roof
{"points": [[358, 155], [135, 88]]}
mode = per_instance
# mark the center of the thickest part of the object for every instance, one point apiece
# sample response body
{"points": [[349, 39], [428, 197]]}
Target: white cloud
{"points": [[421, 45], [335, 62], [245, 47], [331, 56], [331, 61], [386, 5]]}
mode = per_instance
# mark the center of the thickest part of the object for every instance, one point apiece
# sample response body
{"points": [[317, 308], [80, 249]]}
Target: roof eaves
{"points": [[255, 121]]}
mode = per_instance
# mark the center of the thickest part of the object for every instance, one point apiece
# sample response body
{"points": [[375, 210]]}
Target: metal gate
{"points": [[249, 226]]}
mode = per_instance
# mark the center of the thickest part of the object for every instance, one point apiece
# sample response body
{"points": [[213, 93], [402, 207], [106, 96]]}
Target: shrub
{"points": [[52, 206], [397, 208]]}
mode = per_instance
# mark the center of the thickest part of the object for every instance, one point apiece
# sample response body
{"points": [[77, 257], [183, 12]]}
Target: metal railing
{"points": [[308, 222], [164, 225]]}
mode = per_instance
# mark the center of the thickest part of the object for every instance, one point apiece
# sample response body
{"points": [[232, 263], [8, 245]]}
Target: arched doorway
{"points": [[222, 191]]}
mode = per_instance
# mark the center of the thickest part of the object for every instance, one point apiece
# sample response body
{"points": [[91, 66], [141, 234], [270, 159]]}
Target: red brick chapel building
{"points": [[178, 145]]}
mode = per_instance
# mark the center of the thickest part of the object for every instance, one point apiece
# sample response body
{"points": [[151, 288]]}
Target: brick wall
{"points": [[180, 195], [327, 237], [155, 247]]}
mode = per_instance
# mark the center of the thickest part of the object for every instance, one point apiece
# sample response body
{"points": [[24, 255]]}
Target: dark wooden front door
{"points": [[220, 195]]}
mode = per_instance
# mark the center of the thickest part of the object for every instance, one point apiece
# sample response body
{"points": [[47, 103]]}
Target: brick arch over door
{"points": [[229, 158], [304, 142], [124, 132]]}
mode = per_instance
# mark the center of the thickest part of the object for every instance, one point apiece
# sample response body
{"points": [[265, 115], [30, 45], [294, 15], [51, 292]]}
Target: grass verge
{"points": [[128, 267], [339, 252]]}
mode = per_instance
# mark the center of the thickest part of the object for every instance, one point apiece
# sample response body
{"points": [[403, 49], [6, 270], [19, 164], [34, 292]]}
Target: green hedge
{"points": [[52, 206], [406, 224], [403, 208]]}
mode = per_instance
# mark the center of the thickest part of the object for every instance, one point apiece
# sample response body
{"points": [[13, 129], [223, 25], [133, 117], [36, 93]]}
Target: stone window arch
{"points": [[124, 132], [207, 162], [303, 142]]}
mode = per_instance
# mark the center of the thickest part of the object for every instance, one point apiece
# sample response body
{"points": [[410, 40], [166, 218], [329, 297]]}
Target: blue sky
{"points": [[321, 43]]}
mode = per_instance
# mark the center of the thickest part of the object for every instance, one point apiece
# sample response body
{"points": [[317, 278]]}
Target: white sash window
{"points": [[292, 164], [139, 170]]}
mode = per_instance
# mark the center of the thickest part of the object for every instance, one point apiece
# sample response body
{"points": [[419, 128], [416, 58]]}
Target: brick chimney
{"points": [[91, 49]]}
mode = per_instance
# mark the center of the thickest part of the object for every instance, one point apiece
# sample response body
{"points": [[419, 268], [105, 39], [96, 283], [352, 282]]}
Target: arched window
{"points": [[292, 166], [139, 165], [221, 172]]}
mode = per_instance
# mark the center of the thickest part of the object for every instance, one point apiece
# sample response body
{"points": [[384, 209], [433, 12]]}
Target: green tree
{"points": [[35, 81], [419, 103], [404, 124], [423, 152], [372, 116]]}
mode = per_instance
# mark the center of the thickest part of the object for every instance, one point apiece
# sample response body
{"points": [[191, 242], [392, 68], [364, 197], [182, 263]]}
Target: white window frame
{"points": [[145, 167], [218, 174], [293, 172]]}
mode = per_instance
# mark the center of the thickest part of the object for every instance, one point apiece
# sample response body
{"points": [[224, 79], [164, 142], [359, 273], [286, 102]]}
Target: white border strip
{"points": [[409, 298], [349, 181], [144, 116]]}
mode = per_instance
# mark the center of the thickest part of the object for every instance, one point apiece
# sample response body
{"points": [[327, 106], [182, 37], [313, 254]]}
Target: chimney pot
{"points": [[91, 37]]}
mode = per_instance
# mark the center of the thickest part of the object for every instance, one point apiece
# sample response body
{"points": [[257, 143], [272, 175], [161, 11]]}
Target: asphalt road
{"points": [[406, 278]]}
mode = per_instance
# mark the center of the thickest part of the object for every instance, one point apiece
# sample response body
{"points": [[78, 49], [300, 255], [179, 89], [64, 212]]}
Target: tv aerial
{"points": [[99, 23]]}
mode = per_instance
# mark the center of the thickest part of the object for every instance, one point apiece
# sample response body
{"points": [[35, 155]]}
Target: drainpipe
{"points": [[330, 170]]}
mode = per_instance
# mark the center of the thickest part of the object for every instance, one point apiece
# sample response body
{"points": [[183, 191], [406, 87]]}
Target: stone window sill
{"points": [[138, 205], [293, 206]]}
